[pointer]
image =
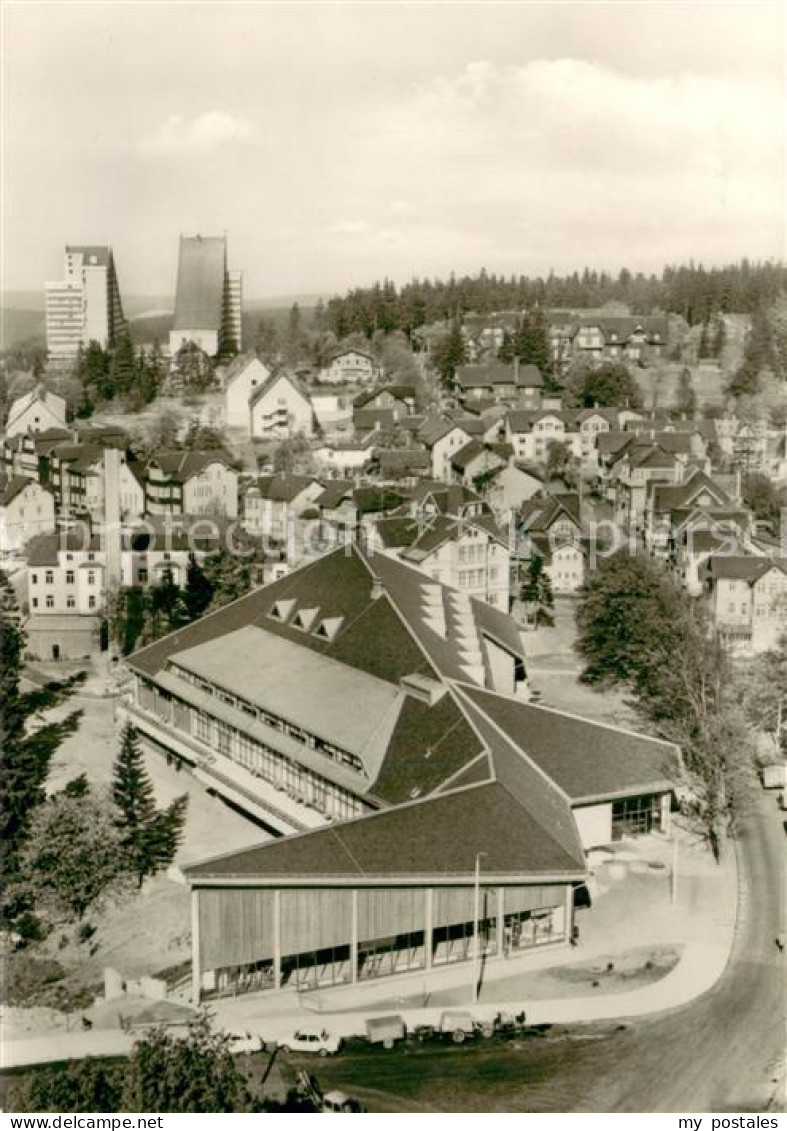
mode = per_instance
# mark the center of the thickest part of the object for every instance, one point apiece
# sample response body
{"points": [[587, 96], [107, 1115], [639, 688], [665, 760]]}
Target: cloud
{"points": [[208, 131]]}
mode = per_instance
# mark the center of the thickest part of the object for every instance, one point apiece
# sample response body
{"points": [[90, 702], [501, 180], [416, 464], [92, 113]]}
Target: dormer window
{"points": [[328, 629], [304, 619], [282, 609]]}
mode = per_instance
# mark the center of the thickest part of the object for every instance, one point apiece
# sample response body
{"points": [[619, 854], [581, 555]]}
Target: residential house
{"points": [[280, 408], [77, 476], [551, 527], [191, 483], [22, 454], [36, 411], [747, 597], [350, 367], [531, 433], [403, 465], [443, 439], [26, 509], [272, 503], [345, 458], [243, 377], [665, 501], [333, 407], [511, 485], [596, 337], [495, 382], [399, 399]]}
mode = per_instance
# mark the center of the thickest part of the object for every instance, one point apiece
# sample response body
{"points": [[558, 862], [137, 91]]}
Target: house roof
{"points": [[462, 459], [42, 550], [182, 466], [437, 837], [271, 383], [587, 760], [667, 497], [334, 493], [15, 486], [283, 487], [451, 771], [403, 461], [740, 567], [240, 364], [50, 400], [202, 265], [368, 419], [402, 393]]}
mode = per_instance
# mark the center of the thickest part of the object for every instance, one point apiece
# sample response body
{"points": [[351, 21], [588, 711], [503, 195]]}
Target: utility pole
{"points": [[476, 918], [674, 872]]}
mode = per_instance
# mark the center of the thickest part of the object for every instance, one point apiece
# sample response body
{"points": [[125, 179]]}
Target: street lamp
{"points": [[476, 932]]}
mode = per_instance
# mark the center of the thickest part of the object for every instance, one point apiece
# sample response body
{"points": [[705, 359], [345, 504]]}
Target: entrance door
{"points": [[55, 651]]}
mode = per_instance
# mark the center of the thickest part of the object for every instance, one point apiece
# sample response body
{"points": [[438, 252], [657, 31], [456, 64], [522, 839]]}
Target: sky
{"points": [[338, 144]]}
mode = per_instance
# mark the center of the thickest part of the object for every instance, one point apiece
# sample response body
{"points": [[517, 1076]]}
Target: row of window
{"points": [[49, 577], [311, 741], [49, 602]]}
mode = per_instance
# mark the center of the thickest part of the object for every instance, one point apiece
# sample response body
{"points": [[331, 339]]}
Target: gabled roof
{"points": [[538, 515], [589, 761], [182, 466], [15, 486], [403, 461], [465, 456], [667, 497], [283, 487], [272, 382], [403, 393], [368, 419], [240, 364], [334, 493], [437, 837], [40, 394], [740, 567]]}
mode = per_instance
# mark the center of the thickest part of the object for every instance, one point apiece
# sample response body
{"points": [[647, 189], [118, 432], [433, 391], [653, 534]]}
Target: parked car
{"points": [[246, 1042], [386, 1031], [311, 1040], [339, 1102]]}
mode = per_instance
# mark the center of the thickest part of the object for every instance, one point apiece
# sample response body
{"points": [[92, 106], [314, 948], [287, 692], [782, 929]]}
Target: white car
{"points": [[311, 1040], [245, 1042]]}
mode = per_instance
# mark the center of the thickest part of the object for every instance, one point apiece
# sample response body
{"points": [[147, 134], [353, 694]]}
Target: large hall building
{"points": [[376, 722]]}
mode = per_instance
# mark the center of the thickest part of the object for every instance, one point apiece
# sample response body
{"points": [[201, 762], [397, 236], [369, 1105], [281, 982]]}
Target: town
{"points": [[393, 561], [225, 541]]}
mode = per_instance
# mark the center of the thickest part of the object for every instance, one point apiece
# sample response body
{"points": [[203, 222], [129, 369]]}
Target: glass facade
{"points": [[635, 816]]}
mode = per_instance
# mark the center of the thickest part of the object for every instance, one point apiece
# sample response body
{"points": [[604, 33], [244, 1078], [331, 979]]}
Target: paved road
{"points": [[719, 1053]]}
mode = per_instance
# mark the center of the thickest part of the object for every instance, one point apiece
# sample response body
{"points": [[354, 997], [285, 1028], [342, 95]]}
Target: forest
{"points": [[694, 292]]}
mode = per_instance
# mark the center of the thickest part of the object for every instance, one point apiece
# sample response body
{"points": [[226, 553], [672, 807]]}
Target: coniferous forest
{"points": [[692, 291]]}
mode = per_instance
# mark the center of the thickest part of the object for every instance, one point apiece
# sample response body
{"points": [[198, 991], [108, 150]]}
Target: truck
{"points": [[386, 1031]]}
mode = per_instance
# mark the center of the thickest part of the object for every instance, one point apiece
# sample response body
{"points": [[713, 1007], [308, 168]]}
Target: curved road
{"points": [[719, 1053]]}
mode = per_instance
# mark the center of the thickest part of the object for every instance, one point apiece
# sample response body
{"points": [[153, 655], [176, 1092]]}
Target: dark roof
{"points": [[740, 567], [465, 456], [42, 550], [400, 392], [334, 493], [199, 299], [283, 487], [678, 496], [403, 460], [529, 377], [14, 487], [367, 419], [587, 760], [181, 466], [437, 837]]}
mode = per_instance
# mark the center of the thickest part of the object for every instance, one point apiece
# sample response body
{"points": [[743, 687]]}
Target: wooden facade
{"points": [[237, 928]]}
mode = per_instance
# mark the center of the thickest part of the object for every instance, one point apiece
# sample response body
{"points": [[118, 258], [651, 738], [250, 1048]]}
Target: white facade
{"points": [[31, 511], [244, 381], [281, 410], [36, 411], [213, 490], [752, 615], [352, 367], [566, 569], [443, 451]]}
